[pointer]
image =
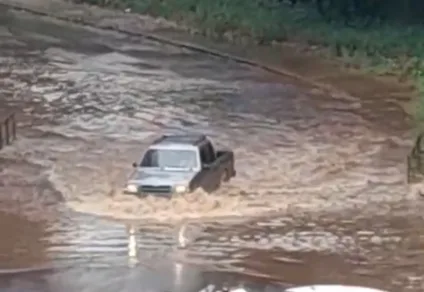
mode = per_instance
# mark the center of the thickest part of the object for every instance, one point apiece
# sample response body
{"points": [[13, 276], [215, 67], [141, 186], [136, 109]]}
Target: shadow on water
{"points": [[91, 101]]}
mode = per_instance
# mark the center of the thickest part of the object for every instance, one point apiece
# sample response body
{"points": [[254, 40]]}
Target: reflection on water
{"points": [[96, 255], [92, 102], [132, 247]]}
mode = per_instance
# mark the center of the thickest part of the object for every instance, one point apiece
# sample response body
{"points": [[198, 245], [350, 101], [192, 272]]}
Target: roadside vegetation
{"points": [[380, 36]]}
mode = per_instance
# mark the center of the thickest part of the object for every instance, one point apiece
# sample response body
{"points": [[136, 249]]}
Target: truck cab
{"points": [[178, 164]]}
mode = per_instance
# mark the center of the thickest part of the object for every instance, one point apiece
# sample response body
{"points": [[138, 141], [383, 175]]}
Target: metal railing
{"points": [[414, 161], [7, 130]]}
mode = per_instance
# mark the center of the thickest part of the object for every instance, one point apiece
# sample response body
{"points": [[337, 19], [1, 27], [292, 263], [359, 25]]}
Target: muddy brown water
{"points": [[319, 197]]}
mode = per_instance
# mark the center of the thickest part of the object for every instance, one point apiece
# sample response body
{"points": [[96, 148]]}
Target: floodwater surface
{"points": [[319, 196]]}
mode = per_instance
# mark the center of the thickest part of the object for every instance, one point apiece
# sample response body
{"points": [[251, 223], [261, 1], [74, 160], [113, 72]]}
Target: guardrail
{"points": [[414, 162], [7, 130]]}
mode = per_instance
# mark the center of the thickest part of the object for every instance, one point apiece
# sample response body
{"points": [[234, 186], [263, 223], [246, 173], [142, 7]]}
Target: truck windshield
{"points": [[170, 159]]}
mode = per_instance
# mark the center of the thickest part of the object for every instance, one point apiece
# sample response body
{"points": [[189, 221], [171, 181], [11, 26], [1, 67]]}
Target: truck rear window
{"points": [[166, 158]]}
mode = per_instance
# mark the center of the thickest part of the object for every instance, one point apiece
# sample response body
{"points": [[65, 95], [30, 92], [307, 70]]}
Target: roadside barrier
{"points": [[414, 161], [7, 130]]}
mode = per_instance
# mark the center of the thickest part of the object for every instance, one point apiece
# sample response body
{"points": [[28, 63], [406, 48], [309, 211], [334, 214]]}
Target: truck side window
{"points": [[205, 155], [211, 152]]}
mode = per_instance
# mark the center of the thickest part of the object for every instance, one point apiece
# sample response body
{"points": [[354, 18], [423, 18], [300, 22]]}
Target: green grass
{"points": [[384, 49]]}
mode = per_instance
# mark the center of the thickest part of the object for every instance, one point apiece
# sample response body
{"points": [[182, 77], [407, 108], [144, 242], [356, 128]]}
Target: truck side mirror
{"points": [[134, 165]]}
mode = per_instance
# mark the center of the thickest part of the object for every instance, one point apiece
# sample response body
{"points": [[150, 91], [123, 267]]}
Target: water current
{"points": [[319, 196]]}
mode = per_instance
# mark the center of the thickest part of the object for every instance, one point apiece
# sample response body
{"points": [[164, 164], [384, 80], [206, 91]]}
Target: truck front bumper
{"points": [[145, 194], [157, 191]]}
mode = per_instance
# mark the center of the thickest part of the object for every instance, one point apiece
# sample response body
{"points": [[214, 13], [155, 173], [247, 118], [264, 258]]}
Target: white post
{"points": [[132, 247]]}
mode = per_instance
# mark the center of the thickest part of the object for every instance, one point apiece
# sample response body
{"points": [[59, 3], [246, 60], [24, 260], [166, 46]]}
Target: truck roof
{"points": [[193, 140]]}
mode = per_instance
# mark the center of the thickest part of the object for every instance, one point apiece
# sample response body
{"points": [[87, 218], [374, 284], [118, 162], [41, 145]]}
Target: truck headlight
{"points": [[132, 188], [180, 189]]}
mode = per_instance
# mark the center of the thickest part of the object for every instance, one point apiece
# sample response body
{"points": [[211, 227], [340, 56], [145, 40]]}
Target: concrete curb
{"points": [[186, 45]]}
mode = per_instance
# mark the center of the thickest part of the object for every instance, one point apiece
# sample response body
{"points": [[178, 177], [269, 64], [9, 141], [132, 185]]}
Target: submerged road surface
{"points": [[91, 101]]}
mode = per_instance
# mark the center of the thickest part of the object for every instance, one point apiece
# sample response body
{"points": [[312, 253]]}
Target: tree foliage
{"points": [[363, 13], [351, 13]]}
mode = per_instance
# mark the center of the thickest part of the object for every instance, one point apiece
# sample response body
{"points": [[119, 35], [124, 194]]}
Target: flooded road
{"points": [[319, 195]]}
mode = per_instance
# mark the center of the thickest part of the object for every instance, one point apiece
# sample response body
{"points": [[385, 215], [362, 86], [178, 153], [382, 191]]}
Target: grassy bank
{"points": [[382, 49]]}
